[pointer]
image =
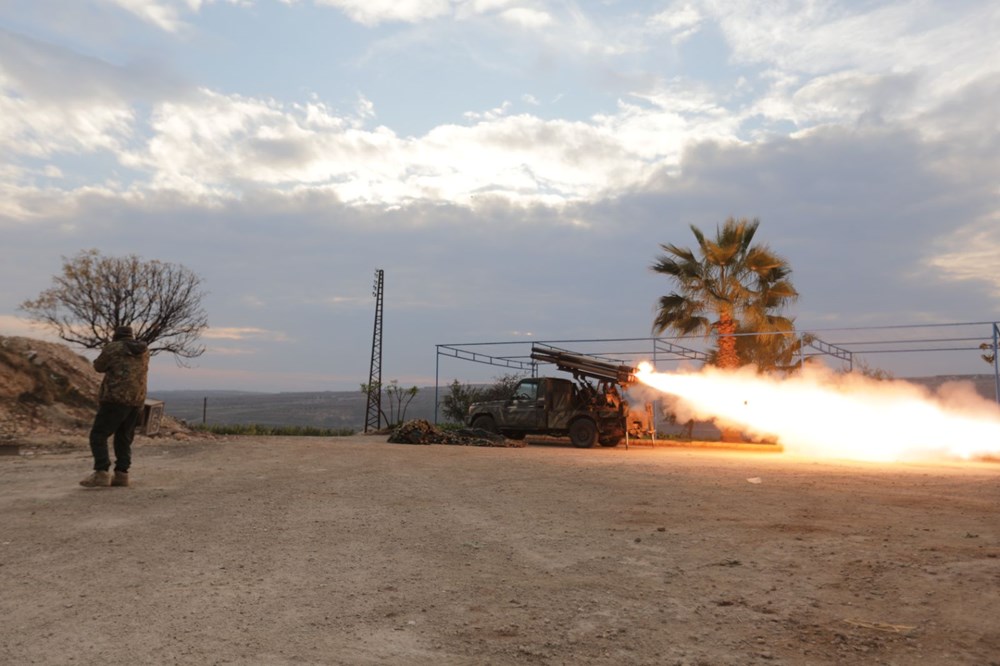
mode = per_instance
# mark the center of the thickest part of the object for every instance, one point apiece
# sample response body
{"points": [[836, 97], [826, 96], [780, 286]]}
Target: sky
{"points": [[512, 165]]}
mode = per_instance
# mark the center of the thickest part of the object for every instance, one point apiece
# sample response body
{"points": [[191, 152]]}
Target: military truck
{"points": [[588, 409]]}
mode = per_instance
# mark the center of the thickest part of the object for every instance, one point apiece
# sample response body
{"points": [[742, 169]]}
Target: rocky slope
{"points": [[48, 390]]}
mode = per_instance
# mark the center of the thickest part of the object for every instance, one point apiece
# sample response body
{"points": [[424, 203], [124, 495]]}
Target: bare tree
{"points": [[399, 400], [95, 294], [398, 397]]}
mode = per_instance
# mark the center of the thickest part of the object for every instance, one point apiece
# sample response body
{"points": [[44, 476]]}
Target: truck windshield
{"points": [[526, 391]]}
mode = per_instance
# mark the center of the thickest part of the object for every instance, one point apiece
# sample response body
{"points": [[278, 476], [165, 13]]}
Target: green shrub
{"points": [[455, 405]]}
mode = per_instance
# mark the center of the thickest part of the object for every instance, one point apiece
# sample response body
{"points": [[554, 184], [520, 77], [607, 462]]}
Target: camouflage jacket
{"points": [[125, 364]]}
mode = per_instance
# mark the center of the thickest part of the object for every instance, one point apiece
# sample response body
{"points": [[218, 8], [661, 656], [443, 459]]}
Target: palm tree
{"points": [[732, 287]]}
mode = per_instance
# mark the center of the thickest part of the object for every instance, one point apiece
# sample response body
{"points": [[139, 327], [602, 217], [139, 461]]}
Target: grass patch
{"points": [[254, 429]]}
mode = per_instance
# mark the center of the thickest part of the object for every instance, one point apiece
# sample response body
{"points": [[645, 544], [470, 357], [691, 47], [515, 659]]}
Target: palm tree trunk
{"points": [[730, 360], [726, 328]]}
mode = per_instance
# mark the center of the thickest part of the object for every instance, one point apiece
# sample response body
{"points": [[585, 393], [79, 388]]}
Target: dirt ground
{"points": [[357, 551]]}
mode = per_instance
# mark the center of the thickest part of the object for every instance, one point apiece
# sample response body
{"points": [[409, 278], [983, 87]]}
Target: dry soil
{"points": [[357, 551]]}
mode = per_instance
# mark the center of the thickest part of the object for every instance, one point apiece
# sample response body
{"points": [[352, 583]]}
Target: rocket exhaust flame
{"points": [[820, 414]]}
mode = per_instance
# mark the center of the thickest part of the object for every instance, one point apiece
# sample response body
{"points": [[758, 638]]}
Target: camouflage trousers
{"points": [[117, 420]]}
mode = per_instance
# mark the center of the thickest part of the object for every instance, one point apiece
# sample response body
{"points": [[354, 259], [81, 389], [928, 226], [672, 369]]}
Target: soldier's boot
{"points": [[97, 479], [120, 479]]}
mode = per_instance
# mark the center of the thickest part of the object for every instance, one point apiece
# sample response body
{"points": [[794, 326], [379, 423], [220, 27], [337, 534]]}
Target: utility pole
{"points": [[374, 409]]}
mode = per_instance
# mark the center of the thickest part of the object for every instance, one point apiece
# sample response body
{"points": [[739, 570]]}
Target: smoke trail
{"points": [[821, 414]]}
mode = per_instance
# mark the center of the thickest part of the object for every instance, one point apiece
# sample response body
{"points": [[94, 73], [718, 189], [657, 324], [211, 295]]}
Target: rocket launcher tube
{"points": [[585, 366]]}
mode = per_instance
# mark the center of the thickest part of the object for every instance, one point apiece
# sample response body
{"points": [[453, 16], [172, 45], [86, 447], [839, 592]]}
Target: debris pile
{"points": [[419, 431]]}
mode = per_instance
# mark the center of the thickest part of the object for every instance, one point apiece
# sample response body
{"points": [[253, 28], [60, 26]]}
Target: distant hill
{"points": [[324, 409], [985, 385]]}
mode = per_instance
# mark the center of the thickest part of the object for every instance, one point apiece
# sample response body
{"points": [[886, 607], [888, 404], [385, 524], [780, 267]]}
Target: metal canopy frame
{"points": [[669, 349]]}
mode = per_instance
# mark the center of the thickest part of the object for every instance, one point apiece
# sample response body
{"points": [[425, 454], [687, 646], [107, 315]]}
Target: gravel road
{"points": [[356, 551]]}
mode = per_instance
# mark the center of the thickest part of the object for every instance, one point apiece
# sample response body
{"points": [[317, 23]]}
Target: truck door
{"points": [[561, 404], [526, 408]]}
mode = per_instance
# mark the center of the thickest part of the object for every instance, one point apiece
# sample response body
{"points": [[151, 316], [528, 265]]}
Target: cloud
{"points": [[681, 21], [50, 102], [971, 253], [216, 144], [561, 28], [491, 114], [349, 301], [19, 326], [857, 211], [222, 146], [814, 37], [524, 17], [243, 333], [213, 145], [231, 351], [371, 13], [821, 45], [41, 130], [374, 12], [163, 14], [873, 197], [484, 6], [841, 98], [166, 14]]}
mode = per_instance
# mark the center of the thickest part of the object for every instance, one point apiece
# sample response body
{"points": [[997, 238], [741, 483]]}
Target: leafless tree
{"points": [[399, 399], [94, 294]]}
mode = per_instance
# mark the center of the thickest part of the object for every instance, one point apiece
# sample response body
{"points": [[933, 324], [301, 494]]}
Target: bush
{"points": [[455, 405]]}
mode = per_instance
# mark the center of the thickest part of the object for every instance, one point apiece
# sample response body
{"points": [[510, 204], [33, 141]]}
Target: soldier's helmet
{"points": [[123, 332]]}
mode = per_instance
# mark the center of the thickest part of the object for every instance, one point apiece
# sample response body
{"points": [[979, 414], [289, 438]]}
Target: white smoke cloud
{"points": [[819, 413]]}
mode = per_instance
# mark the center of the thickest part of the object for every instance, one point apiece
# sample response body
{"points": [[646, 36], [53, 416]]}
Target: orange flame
{"points": [[819, 414]]}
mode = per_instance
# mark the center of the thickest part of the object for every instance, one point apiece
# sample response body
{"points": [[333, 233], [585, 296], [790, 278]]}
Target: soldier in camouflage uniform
{"points": [[125, 364]]}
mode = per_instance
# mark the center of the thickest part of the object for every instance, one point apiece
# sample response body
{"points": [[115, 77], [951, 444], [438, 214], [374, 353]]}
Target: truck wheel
{"points": [[583, 433], [485, 423]]}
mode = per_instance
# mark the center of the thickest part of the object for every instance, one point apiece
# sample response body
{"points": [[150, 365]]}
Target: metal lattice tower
{"points": [[374, 409]]}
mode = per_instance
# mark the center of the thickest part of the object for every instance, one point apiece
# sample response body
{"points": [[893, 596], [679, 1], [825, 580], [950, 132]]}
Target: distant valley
{"points": [[325, 409]]}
